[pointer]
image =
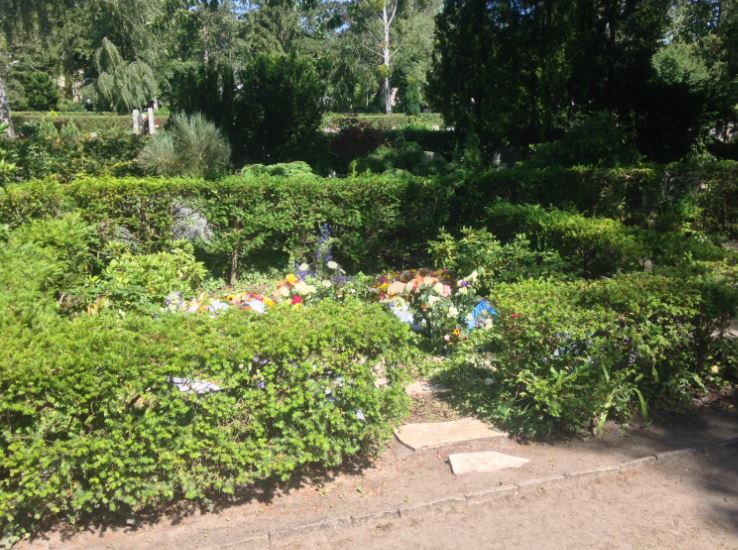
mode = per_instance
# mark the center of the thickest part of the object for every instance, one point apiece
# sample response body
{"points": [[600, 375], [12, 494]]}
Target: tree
{"points": [[21, 19], [122, 86]]}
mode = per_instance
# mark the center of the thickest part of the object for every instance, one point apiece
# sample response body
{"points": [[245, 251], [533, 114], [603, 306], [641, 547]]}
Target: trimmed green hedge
{"points": [[375, 220], [703, 196], [100, 123], [385, 220], [565, 356], [92, 422]]}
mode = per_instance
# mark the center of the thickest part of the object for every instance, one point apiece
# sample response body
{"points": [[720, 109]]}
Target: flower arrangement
{"points": [[431, 303]]}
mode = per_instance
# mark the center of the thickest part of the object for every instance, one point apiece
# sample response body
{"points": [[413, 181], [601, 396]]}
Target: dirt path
{"points": [[687, 503]]}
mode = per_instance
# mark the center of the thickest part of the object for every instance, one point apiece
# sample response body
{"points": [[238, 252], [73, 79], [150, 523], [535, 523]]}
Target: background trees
{"points": [[520, 71]]}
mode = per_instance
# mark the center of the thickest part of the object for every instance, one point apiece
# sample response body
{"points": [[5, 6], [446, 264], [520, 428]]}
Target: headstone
{"points": [[152, 121], [484, 462], [136, 122]]}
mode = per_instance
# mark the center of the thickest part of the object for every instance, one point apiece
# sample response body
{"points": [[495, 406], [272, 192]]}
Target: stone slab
{"points": [[424, 388], [439, 434], [484, 462]]}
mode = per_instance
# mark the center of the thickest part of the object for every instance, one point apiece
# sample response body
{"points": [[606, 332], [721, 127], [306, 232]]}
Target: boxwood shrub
{"points": [[565, 356], [92, 421]]}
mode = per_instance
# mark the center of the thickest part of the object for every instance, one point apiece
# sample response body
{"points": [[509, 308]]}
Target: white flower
{"points": [[326, 284], [453, 312], [304, 267], [474, 276], [283, 291], [432, 300], [438, 288], [488, 381], [464, 290], [304, 289], [332, 265]]}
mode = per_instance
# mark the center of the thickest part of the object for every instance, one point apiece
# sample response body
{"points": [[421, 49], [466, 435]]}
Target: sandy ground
{"points": [[687, 503], [690, 504]]}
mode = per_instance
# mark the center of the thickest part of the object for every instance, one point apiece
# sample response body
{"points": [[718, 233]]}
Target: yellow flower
{"points": [[714, 369], [291, 279], [268, 302]]}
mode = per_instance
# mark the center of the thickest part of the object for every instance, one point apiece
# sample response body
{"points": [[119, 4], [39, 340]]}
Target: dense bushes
{"points": [[100, 123], [270, 110], [374, 220], [66, 158], [698, 196], [116, 423], [594, 246], [566, 355]]}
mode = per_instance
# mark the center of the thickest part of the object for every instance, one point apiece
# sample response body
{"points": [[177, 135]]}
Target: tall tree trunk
{"points": [[5, 109], [387, 58]]}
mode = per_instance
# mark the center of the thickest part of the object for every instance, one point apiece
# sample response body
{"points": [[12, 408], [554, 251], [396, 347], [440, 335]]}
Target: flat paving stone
{"points": [[424, 388], [439, 434], [489, 461]]}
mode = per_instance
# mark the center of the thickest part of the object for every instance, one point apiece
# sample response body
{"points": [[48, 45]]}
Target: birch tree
{"points": [[377, 37]]}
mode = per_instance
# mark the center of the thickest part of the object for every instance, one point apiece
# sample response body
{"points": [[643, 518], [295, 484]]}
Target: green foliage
{"points": [[288, 169], [41, 92], [192, 146], [103, 431], [594, 140], [132, 281], [277, 109], [66, 159], [594, 246], [108, 125], [478, 249], [70, 132], [376, 221], [270, 110], [667, 197], [47, 131], [566, 356], [122, 86], [404, 155]]}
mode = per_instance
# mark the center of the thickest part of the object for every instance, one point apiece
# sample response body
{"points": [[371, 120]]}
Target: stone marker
{"points": [[438, 434], [489, 461], [136, 122]]}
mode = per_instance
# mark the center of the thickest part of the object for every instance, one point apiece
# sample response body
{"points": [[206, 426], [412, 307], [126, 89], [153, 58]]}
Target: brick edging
{"points": [[460, 500]]}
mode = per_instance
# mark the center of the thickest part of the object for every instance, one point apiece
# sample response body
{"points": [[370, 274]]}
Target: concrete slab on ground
{"points": [[439, 434], [484, 462], [424, 388]]}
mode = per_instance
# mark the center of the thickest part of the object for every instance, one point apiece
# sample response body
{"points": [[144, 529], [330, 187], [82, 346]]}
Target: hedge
{"points": [[93, 421], [374, 220], [704, 196], [566, 356], [99, 123]]}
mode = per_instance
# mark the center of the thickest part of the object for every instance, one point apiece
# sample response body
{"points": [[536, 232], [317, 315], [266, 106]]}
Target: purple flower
{"points": [[261, 385]]}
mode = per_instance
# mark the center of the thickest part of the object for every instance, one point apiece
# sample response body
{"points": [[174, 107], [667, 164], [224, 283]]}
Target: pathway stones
{"points": [[439, 434], [484, 462], [424, 388]]}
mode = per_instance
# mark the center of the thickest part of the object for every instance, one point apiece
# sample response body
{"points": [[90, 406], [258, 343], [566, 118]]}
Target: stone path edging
{"points": [[457, 501]]}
